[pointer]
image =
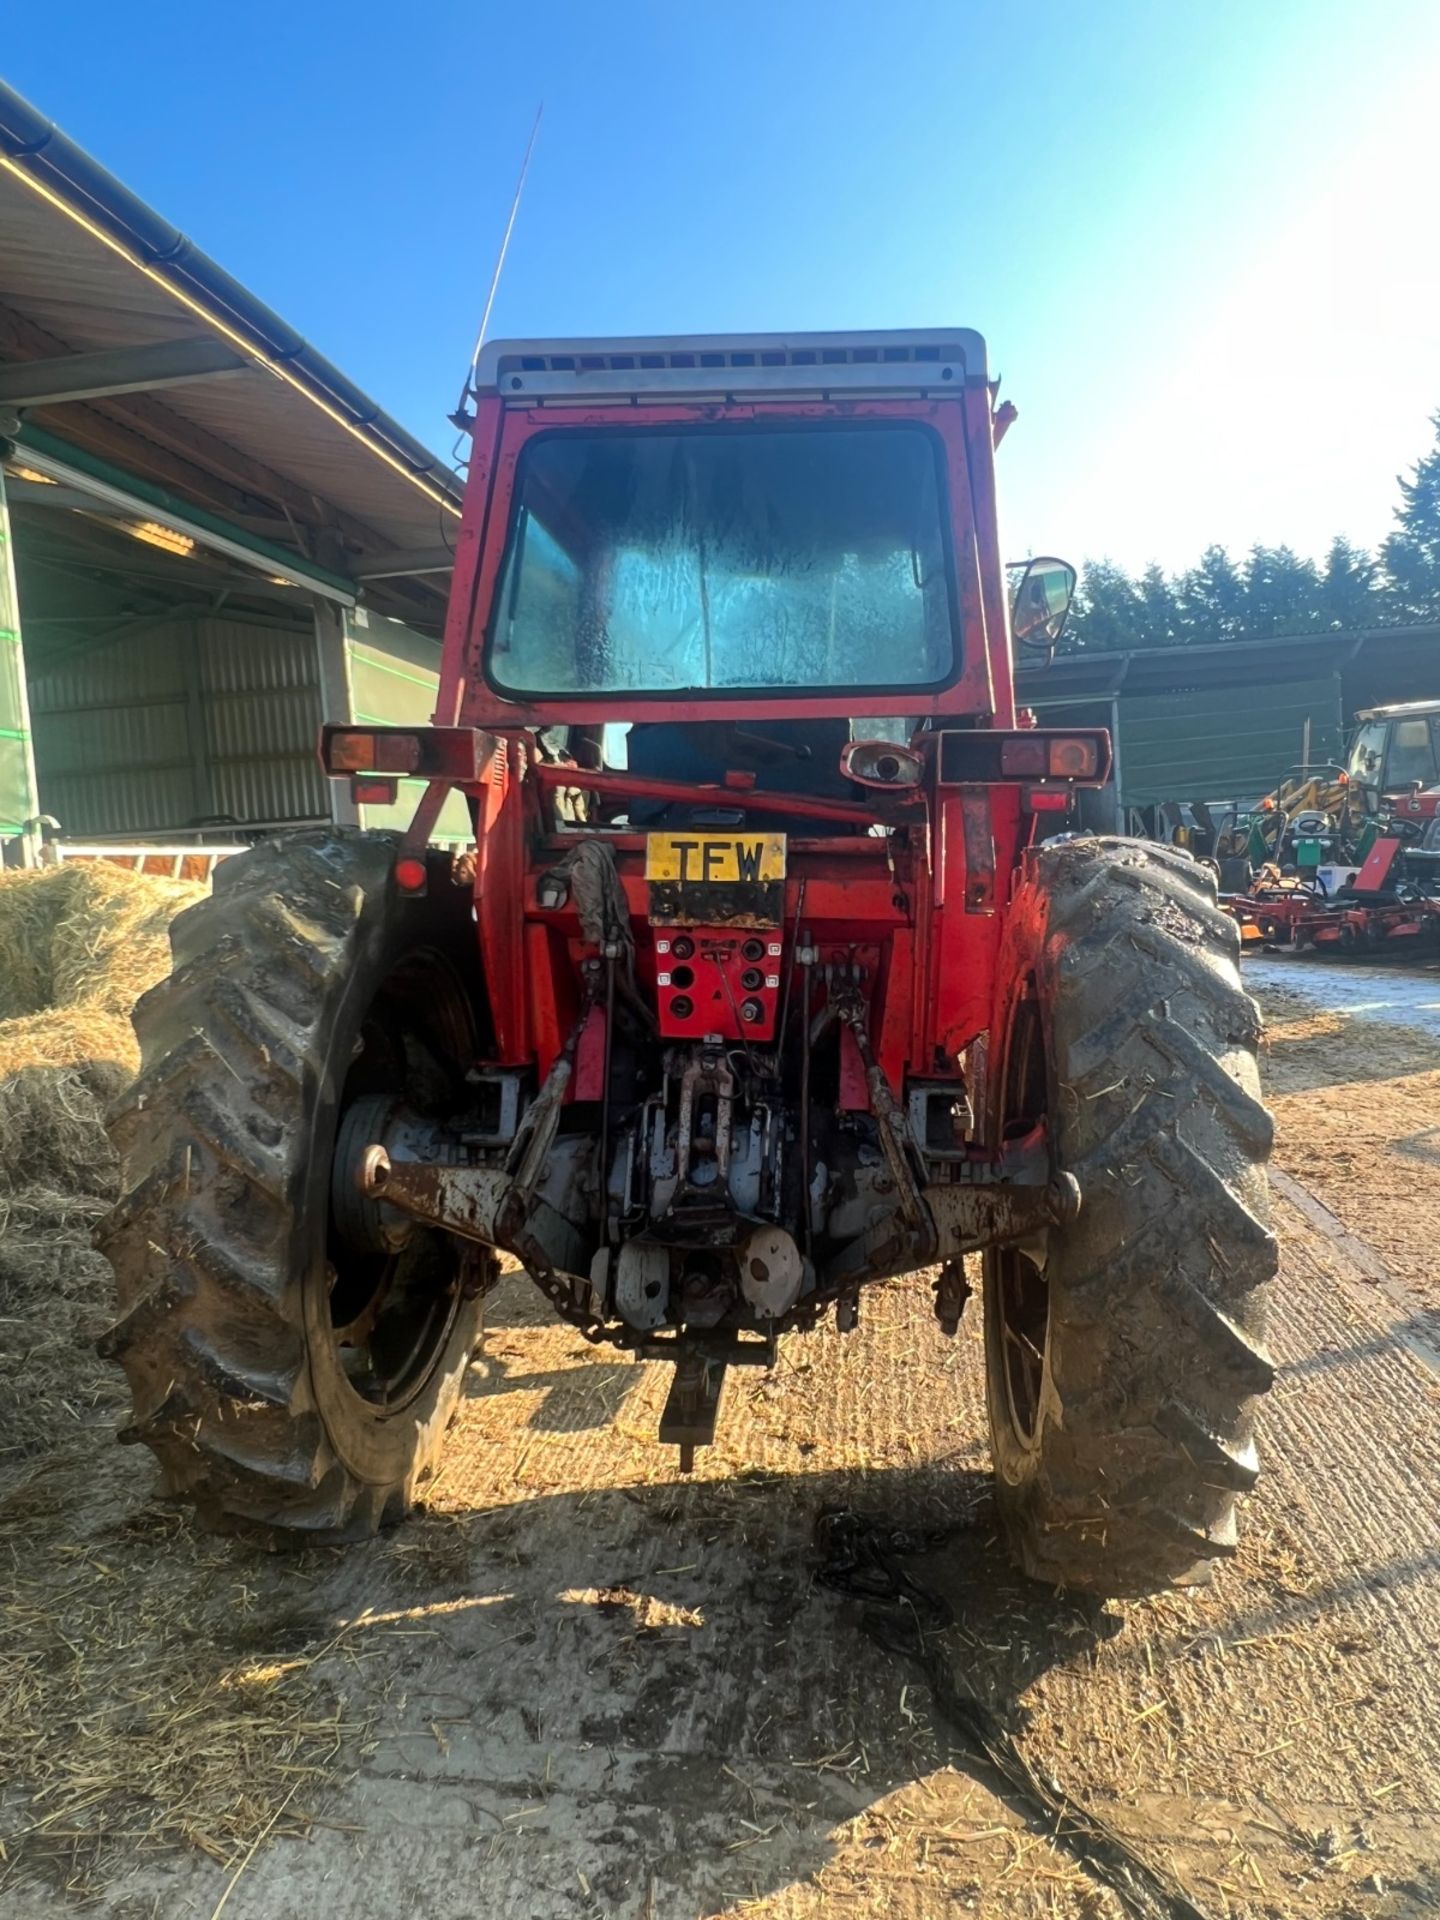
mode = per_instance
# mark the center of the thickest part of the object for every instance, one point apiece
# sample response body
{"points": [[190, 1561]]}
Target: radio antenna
{"points": [[460, 417]]}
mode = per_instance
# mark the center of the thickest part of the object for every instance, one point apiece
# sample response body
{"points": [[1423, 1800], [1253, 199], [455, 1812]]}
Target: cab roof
{"points": [[733, 365]]}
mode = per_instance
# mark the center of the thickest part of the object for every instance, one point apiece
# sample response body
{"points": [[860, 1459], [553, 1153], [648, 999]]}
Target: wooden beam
{"points": [[140, 433], [395, 566], [57, 380]]}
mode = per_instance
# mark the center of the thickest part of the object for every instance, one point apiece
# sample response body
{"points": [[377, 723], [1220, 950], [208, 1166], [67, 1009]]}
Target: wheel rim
{"points": [[1022, 1293], [392, 1309]]}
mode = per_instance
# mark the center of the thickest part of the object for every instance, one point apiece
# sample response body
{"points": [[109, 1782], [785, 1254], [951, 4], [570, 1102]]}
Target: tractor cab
{"points": [[1395, 750]]}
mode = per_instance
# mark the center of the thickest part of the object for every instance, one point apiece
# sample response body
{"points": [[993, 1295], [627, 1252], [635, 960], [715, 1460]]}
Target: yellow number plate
{"points": [[720, 859]]}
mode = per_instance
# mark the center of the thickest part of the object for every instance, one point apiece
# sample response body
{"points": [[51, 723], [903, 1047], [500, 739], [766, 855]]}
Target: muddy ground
{"points": [[579, 1686]]}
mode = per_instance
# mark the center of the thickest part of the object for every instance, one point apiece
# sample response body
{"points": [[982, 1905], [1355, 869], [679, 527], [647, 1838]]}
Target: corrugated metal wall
{"points": [[17, 766], [1223, 743], [184, 722], [260, 697]]}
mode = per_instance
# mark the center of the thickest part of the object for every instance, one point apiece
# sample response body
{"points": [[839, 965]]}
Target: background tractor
{"points": [[760, 983]]}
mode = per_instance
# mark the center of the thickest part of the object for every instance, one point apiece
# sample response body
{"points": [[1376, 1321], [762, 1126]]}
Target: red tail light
{"points": [[371, 751], [1023, 757], [1027, 754], [431, 753], [1072, 757]]}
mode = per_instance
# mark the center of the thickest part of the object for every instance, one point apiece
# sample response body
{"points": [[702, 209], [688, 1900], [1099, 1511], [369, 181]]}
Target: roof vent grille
{"points": [[749, 366], [686, 359]]}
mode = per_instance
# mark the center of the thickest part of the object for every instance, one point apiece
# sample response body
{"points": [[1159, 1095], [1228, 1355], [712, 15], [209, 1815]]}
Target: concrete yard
{"points": [[577, 1685]]}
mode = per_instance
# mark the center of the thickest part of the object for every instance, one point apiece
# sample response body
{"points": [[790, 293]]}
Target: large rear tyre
{"points": [[293, 1363], [1125, 1350]]}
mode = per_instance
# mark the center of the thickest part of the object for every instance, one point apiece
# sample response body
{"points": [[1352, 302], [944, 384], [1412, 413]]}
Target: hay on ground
{"points": [[126, 1721], [84, 935], [30, 904], [78, 945], [122, 1718], [112, 938], [90, 1038]]}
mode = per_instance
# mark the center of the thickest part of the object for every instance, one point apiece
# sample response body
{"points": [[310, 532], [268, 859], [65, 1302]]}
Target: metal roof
{"points": [[229, 410], [1233, 663]]}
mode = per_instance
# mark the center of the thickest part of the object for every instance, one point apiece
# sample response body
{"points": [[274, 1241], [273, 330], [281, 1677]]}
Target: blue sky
{"points": [[1200, 240]]}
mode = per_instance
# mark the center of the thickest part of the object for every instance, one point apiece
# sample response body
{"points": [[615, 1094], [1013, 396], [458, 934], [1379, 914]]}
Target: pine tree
{"points": [[1213, 599], [1282, 593], [1109, 614], [1349, 595], [1411, 554], [1164, 623]]}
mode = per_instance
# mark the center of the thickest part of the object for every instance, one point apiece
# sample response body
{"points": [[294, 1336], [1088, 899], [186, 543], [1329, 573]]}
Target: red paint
{"points": [[554, 1002], [897, 1006], [635, 786], [500, 868], [1374, 876], [705, 969], [589, 1081], [918, 920], [854, 1091]]}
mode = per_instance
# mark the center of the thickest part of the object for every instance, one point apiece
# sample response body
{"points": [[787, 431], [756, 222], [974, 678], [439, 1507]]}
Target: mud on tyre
{"points": [[292, 1365], [1125, 1355]]}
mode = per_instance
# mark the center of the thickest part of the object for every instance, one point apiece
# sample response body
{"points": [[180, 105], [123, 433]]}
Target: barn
{"points": [[209, 538], [1226, 722]]}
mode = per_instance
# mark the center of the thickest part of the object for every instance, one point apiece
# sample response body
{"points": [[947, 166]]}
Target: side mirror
{"points": [[1040, 602]]}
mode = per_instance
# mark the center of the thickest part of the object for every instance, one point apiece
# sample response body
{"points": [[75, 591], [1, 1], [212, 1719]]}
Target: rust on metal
{"points": [[971, 1215], [464, 1200], [979, 850]]}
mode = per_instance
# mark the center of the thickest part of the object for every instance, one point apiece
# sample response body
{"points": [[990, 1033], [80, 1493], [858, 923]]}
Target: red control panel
{"points": [[720, 982]]}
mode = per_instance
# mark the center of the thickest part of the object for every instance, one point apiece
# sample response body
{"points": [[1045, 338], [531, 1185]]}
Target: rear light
{"points": [[349, 752], [372, 752], [1040, 756], [432, 753], [410, 874], [1072, 757], [1047, 799], [982, 754], [368, 790], [1024, 758]]}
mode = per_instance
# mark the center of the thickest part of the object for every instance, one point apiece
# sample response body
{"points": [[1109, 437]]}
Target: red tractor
{"points": [[761, 982]]}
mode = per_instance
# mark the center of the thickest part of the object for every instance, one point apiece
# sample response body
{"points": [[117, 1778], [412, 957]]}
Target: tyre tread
{"points": [[1158, 1290], [210, 1330]]}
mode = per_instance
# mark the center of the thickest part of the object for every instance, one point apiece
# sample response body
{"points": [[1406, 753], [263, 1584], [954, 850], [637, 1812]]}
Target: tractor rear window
{"points": [[701, 562]]}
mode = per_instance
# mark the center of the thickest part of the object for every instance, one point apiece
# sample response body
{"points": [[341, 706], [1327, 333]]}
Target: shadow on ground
{"points": [[639, 1686], [649, 1681]]}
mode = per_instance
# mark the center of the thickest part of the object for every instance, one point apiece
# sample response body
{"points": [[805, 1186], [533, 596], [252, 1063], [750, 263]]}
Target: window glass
{"points": [[713, 562], [1367, 754], [1412, 755]]}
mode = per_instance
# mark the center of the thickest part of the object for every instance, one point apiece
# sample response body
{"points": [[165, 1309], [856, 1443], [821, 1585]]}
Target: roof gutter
{"points": [[66, 173]]}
